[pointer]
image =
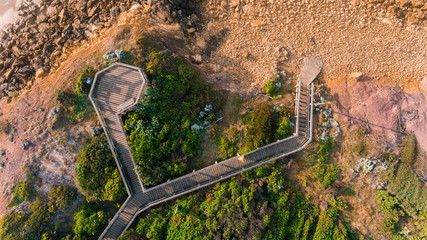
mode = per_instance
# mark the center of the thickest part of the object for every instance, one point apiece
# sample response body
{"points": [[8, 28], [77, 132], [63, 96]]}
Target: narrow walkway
{"points": [[141, 199]]}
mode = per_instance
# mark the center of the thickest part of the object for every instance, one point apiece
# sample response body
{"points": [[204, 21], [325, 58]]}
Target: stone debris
{"points": [[114, 55], [96, 131], [55, 111], [329, 127], [48, 32], [324, 136], [356, 76], [25, 144], [368, 165]]}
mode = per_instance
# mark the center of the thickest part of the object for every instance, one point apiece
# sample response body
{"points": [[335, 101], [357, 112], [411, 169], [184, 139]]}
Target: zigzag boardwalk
{"points": [[114, 89]]}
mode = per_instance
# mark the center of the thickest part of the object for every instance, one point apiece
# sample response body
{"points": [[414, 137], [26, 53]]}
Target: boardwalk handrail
{"points": [[297, 104], [119, 118], [112, 146]]}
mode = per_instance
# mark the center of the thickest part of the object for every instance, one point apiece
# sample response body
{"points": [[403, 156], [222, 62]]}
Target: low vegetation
{"points": [[76, 104], [264, 125], [96, 173], [237, 209], [324, 170], [23, 191], [405, 195], [37, 220], [272, 86]]}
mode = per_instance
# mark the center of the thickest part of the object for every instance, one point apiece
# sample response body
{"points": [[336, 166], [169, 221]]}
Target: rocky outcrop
{"points": [[29, 47]]}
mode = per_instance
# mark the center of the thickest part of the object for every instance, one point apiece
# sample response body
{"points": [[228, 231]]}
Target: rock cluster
{"points": [[329, 126], [29, 47], [2, 158], [45, 32], [368, 165]]}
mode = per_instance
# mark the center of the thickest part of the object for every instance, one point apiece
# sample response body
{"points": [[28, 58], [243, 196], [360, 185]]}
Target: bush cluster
{"points": [[96, 173], [236, 210], [325, 171], [165, 129]]}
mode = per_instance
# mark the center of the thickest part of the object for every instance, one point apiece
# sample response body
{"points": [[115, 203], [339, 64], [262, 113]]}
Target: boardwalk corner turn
{"points": [[119, 87]]}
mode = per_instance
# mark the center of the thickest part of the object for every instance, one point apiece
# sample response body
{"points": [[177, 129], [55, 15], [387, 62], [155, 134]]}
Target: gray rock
{"points": [[324, 136], [96, 131], [368, 165], [25, 144], [114, 12]]}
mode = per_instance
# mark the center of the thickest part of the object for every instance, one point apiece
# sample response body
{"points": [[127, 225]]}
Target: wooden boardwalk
{"points": [[113, 82]]}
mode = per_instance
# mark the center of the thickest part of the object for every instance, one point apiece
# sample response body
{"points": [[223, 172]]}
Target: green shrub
{"points": [[88, 222], [326, 173], [114, 190], [389, 224], [404, 184], [409, 150], [284, 129], [64, 97], [11, 225], [271, 86], [228, 145], [261, 129], [96, 172], [62, 196], [323, 170], [410, 191], [338, 203], [389, 204], [82, 88], [154, 226], [21, 192], [156, 63], [38, 221]]}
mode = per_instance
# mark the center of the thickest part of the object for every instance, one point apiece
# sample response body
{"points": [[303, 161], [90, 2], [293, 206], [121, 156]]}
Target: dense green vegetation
{"points": [[21, 192], [405, 194], [96, 173], [265, 126], [241, 209], [87, 222], [272, 86], [324, 170], [36, 221], [165, 129]]}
